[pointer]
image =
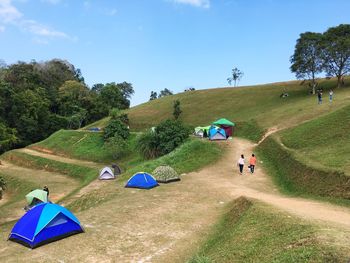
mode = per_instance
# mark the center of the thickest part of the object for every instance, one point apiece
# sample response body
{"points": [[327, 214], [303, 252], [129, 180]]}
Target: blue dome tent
{"points": [[43, 224], [142, 180], [216, 133]]}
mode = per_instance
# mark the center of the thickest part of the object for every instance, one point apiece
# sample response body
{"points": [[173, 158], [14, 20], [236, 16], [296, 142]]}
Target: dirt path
{"points": [[59, 158], [166, 223]]}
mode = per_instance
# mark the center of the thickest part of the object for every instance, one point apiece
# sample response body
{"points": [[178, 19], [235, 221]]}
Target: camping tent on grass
{"points": [[201, 131], [106, 174], [216, 133], [165, 174], [36, 197], [142, 180], [43, 224], [226, 125]]}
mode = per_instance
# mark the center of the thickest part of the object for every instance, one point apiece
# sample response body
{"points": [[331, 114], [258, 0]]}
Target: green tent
{"points": [[226, 125], [223, 121], [199, 131], [36, 195]]}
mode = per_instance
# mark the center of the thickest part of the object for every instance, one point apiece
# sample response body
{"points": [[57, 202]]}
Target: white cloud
{"points": [[8, 12], [196, 3], [53, 2], [10, 15]]}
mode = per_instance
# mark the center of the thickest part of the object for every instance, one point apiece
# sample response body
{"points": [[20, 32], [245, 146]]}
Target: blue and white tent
{"points": [[142, 180], [43, 224], [216, 133]]}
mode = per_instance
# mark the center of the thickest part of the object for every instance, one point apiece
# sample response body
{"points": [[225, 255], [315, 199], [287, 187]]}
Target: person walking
{"points": [[330, 95], [319, 96], [240, 163], [252, 163]]}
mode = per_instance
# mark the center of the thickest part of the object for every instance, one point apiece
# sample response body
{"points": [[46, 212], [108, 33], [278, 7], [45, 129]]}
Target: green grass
{"points": [[84, 174], [323, 142], [192, 155], [257, 107], [254, 232], [296, 178]]}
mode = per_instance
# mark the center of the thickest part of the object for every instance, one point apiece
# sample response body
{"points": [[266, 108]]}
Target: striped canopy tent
{"points": [[226, 125]]}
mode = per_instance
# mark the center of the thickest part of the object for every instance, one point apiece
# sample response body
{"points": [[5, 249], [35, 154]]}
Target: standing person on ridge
{"points": [[330, 95], [319, 96], [252, 163], [46, 189], [240, 163]]}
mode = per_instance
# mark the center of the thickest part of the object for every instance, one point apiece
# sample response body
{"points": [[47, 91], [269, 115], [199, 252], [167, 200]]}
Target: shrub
{"points": [[2, 186], [116, 146], [170, 135], [115, 128], [165, 138], [147, 145], [165, 173]]}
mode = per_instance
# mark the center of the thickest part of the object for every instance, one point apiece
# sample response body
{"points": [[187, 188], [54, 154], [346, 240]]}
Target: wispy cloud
{"points": [[10, 15], [196, 3], [53, 2]]}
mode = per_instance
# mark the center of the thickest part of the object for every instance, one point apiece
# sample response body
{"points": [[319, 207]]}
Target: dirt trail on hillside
{"points": [[167, 223], [60, 158]]}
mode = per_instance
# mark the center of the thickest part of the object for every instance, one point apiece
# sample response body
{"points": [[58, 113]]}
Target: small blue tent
{"points": [[142, 180], [216, 133], [45, 223]]}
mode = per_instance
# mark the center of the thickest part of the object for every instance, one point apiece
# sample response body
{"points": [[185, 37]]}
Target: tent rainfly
{"points": [[226, 125]]}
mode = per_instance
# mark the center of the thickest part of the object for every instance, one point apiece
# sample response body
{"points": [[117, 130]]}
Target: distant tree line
{"points": [[162, 93], [327, 52], [39, 98]]}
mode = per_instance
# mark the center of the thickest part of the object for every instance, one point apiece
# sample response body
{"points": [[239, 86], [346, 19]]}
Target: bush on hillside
{"points": [[115, 114], [2, 186], [116, 128], [167, 136], [165, 173], [116, 146]]}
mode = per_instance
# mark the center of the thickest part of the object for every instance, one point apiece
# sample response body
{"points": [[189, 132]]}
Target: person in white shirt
{"points": [[240, 163], [330, 95]]}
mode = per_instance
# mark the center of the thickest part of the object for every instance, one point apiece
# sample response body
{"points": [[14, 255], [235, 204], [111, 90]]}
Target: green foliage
{"points": [[296, 178], [249, 130], [153, 95], [116, 146], [167, 136], [236, 76], [254, 232], [37, 99], [148, 145], [336, 51], [8, 138], [116, 128], [165, 92], [306, 60], [183, 159], [177, 110]]}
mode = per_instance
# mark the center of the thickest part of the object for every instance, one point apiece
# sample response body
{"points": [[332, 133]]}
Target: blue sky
{"points": [[157, 44]]}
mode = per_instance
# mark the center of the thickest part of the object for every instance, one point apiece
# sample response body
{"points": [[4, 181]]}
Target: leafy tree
{"points": [[177, 109], [116, 95], [167, 136], [336, 51], [114, 128], [73, 96], [236, 76], [165, 92], [8, 138], [116, 146], [153, 95], [306, 60]]}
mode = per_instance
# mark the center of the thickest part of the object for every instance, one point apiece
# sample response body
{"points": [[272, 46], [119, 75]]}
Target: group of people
{"points": [[320, 93], [252, 163]]}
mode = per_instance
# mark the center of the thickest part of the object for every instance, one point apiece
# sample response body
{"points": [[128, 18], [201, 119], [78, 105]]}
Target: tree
{"points": [[236, 76], [116, 146], [117, 95], [306, 60], [177, 109], [153, 95], [336, 51], [165, 92], [114, 128], [8, 138]]}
